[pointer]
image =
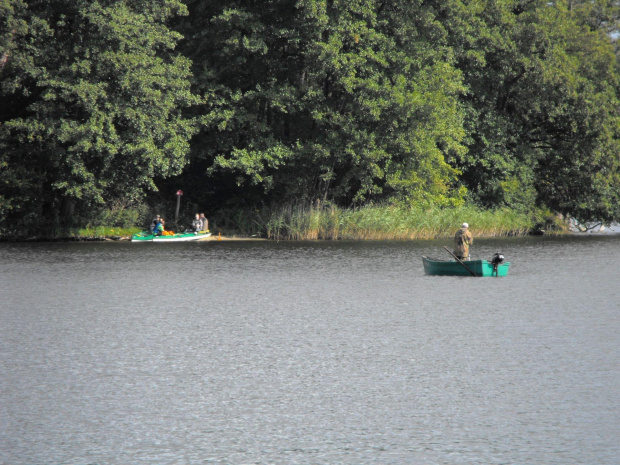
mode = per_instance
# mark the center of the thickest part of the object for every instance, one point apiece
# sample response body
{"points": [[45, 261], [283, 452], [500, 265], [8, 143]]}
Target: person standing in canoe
{"points": [[462, 240]]}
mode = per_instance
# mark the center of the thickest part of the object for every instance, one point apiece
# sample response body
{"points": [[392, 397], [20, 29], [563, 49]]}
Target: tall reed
{"points": [[316, 221]]}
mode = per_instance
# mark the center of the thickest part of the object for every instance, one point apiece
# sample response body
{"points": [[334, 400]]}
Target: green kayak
{"points": [[480, 268], [147, 236]]}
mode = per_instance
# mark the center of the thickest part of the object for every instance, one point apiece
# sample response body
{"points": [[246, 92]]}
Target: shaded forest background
{"points": [[112, 106]]}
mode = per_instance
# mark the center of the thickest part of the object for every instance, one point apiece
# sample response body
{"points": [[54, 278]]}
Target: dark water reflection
{"points": [[220, 352]]}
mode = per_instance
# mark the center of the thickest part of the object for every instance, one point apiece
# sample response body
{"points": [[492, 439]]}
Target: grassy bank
{"points": [[385, 222], [327, 222], [104, 232], [99, 233]]}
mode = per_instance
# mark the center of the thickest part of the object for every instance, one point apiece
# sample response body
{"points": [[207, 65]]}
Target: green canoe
{"points": [[480, 268], [147, 236]]}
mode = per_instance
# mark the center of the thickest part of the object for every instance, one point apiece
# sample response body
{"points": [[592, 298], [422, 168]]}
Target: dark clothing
{"points": [[158, 229]]}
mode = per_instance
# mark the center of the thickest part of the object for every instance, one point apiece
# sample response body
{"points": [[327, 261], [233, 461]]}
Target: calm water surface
{"points": [[317, 353]]}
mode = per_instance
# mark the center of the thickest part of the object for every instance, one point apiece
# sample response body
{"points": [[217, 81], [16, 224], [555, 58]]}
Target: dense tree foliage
{"points": [[346, 101], [544, 113], [91, 103], [497, 102]]}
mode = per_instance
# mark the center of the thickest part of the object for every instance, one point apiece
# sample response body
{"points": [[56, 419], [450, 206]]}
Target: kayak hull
{"points": [[145, 236]]}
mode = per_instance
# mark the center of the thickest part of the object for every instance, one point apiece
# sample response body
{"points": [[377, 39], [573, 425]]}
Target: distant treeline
{"points": [[510, 105]]}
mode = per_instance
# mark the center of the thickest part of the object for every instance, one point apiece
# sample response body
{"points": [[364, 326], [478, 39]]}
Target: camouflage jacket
{"points": [[462, 240]]}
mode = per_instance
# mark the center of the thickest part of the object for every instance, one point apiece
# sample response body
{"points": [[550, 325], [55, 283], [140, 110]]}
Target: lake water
{"points": [[309, 353]]}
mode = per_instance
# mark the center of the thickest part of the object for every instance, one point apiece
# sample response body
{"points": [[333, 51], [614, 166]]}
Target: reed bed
{"points": [[102, 232], [327, 222]]}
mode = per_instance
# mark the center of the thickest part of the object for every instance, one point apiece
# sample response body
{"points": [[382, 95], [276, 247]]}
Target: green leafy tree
{"points": [[542, 108], [338, 100], [598, 15], [575, 128], [91, 100]]}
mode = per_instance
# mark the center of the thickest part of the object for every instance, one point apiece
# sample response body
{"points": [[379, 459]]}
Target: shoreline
{"points": [[244, 238], [374, 223], [121, 239], [607, 231]]}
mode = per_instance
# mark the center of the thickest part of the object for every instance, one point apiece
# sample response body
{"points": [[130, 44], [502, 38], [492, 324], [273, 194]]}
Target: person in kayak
{"points": [[205, 222], [462, 240], [154, 223], [197, 224], [158, 229]]}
